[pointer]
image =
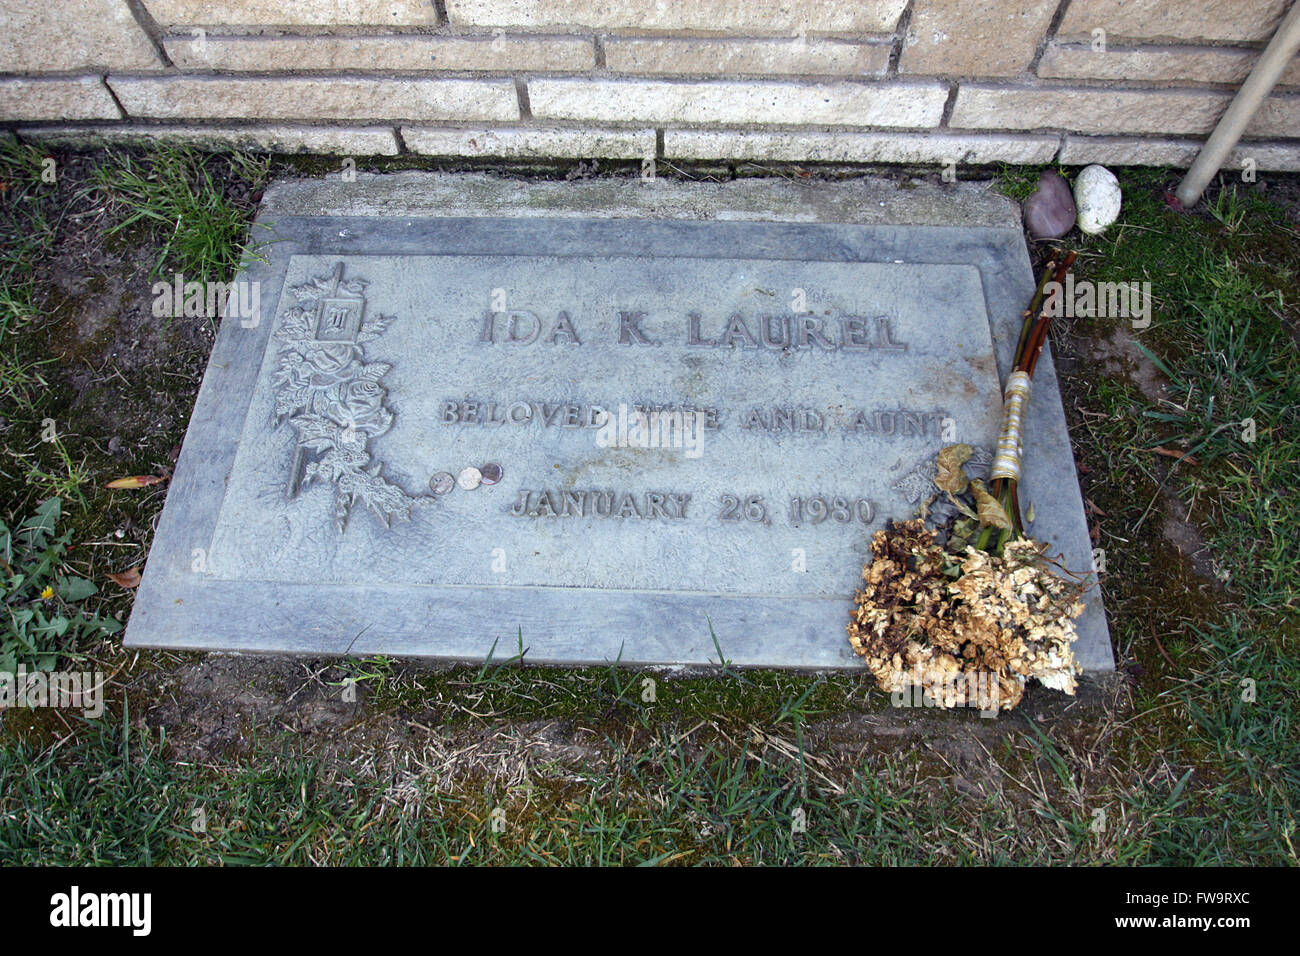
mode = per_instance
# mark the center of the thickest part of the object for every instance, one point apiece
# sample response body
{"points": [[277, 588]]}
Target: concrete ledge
{"points": [[866, 201]]}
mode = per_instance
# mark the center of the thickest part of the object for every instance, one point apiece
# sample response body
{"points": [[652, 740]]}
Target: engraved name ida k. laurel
{"points": [[848, 333]]}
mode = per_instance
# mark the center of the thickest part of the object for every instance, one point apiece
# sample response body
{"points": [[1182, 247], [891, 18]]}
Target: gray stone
{"points": [[392, 348], [1049, 210], [1098, 197], [866, 201]]}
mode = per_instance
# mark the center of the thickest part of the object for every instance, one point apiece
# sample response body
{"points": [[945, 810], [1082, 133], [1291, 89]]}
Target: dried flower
{"points": [[979, 622]]}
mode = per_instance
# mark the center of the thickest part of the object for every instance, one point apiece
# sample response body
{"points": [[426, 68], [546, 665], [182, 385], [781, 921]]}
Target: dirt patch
{"points": [[1185, 536], [217, 706], [130, 378], [120, 382], [1116, 353], [222, 705], [225, 706], [1285, 191]]}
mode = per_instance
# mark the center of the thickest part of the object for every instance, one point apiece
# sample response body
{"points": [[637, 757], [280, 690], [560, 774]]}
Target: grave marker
{"points": [[614, 432]]}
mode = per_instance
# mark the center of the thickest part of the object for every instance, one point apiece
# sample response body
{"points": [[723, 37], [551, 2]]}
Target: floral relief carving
{"points": [[334, 398]]}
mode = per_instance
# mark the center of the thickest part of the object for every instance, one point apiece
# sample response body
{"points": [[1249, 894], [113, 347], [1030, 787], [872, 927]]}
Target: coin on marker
{"points": [[442, 483], [491, 473], [471, 477]]}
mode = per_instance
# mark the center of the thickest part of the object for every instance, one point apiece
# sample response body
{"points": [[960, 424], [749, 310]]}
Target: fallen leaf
{"points": [[126, 579], [962, 506], [135, 481], [1174, 453], [951, 477], [991, 512], [1029, 513]]}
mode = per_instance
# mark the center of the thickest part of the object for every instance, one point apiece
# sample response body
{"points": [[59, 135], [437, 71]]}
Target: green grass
{"points": [[191, 210], [26, 236], [174, 198], [110, 796], [1019, 182], [65, 481], [26, 231], [666, 796], [1222, 337], [50, 449]]}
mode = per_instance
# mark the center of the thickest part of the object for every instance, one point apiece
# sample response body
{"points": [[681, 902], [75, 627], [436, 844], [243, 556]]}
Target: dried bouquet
{"points": [[959, 601]]}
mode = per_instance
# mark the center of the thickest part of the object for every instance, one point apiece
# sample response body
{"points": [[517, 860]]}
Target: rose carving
{"points": [[334, 400]]}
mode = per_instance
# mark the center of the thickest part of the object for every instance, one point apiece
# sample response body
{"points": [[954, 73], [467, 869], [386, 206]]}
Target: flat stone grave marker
{"points": [[606, 420]]}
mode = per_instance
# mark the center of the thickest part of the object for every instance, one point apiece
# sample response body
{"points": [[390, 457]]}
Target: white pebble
{"points": [[1097, 196]]}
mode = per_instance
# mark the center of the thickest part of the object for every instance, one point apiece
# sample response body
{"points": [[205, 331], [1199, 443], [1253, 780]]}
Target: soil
{"points": [[223, 706]]}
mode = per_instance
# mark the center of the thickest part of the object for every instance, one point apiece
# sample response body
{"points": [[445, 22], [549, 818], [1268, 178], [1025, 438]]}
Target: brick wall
{"points": [[916, 81]]}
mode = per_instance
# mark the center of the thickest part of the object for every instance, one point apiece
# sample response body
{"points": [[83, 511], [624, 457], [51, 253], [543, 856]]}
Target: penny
{"points": [[442, 483], [470, 478], [491, 473]]}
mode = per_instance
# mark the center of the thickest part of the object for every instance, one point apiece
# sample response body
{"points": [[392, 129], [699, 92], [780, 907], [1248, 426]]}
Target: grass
{"points": [[1219, 693], [175, 199], [191, 211], [657, 805], [26, 235], [1190, 757], [1223, 341], [67, 481], [26, 232], [1224, 334]]}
